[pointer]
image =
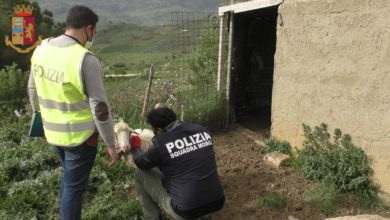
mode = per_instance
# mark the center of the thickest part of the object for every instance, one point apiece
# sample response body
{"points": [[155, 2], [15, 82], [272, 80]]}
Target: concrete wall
{"points": [[332, 65]]}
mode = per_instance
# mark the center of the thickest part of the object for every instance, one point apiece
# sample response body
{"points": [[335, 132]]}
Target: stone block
{"points": [[277, 159]]}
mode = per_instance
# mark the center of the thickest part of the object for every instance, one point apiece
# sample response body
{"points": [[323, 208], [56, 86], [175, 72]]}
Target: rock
{"points": [[292, 218], [277, 159], [359, 217], [260, 142], [298, 208], [250, 204]]}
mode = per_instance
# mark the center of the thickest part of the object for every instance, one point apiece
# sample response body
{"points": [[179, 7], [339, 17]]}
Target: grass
{"points": [[324, 198], [274, 201], [135, 48], [129, 43]]}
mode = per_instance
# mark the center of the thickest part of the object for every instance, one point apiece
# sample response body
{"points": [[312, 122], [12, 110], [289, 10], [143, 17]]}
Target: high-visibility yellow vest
{"points": [[64, 106]]}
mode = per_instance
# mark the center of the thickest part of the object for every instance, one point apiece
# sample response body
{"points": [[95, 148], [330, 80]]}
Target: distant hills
{"points": [[141, 12]]}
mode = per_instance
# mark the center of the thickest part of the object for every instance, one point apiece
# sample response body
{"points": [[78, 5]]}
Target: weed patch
{"points": [[275, 201], [324, 198], [275, 145]]}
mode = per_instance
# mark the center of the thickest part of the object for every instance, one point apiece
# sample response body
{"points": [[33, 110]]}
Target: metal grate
{"points": [[200, 85]]}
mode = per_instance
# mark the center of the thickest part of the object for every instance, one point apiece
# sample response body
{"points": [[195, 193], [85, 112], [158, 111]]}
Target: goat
{"points": [[123, 132]]}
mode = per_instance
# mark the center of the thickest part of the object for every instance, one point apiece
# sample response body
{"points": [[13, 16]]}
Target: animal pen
{"points": [[225, 66], [201, 96]]}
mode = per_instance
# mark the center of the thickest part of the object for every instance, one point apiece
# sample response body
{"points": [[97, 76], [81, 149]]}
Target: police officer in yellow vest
{"points": [[66, 86]]}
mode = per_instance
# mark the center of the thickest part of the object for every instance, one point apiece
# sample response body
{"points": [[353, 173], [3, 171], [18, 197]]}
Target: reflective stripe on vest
{"points": [[66, 115], [63, 106], [68, 127]]}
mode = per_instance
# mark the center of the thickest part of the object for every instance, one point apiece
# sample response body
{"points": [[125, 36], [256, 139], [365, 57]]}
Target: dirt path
{"points": [[246, 177]]}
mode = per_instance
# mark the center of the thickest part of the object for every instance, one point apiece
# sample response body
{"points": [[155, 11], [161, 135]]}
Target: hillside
{"points": [[132, 44], [142, 12]]}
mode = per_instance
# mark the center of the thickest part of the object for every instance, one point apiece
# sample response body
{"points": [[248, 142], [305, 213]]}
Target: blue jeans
{"points": [[77, 163]]}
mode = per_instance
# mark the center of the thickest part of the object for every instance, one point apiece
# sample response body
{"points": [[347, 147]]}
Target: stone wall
{"points": [[332, 65]]}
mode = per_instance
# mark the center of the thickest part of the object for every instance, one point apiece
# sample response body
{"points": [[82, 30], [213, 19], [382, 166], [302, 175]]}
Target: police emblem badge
{"points": [[23, 30]]}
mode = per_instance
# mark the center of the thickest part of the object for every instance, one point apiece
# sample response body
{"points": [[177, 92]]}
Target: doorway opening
{"points": [[254, 47]]}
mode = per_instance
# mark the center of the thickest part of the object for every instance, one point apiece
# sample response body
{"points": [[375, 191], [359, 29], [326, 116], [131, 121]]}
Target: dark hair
{"points": [[161, 117], [80, 16]]}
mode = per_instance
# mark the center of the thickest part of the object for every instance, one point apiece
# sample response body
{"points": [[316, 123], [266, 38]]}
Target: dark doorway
{"points": [[254, 48]]}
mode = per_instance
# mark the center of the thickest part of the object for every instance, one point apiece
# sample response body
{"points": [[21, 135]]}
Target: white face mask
{"points": [[89, 44]]}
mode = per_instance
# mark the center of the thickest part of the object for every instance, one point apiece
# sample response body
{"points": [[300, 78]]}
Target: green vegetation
{"points": [[274, 201], [29, 181], [273, 145], [206, 106], [29, 168], [185, 82], [204, 65], [131, 49], [11, 80], [337, 162], [324, 198], [339, 165], [340, 169], [201, 101]]}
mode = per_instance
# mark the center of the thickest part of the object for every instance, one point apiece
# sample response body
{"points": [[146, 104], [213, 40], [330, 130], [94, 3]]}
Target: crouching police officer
{"points": [[186, 185]]}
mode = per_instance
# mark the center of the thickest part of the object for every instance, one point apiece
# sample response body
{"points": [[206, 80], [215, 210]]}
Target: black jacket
{"points": [[185, 155]]}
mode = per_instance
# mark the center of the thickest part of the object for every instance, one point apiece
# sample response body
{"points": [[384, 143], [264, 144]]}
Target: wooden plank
{"points": [[248, 6]]}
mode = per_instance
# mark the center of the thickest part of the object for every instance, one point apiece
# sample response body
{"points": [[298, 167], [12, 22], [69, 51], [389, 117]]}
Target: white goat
{"points": [[123, 132]]}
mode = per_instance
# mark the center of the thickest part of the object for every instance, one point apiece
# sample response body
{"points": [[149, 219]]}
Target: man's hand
{"points": [[135, 141], [111, 153]]}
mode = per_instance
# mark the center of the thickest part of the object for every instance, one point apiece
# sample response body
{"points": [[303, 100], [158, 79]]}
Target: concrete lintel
{"points": [[248, 6]]}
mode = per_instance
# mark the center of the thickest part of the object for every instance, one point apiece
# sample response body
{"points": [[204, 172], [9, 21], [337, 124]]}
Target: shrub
{"points": [[33, 197], [15, 131], [273, 145], [336, 161], [274, 201]]}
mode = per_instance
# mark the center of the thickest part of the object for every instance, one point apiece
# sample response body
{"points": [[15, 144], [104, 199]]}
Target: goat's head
{"points": [[122, 132]]}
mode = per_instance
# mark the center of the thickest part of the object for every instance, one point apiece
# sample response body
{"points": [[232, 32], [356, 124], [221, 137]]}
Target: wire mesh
{"points": [[200, 91]]}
